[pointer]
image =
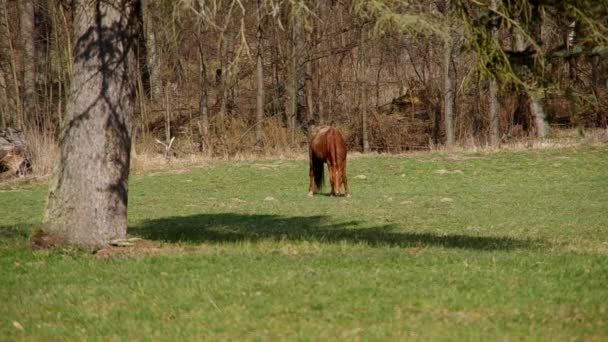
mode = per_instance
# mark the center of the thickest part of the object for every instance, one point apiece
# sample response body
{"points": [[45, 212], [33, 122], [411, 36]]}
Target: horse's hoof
{"points": [[347, 195], [310, 194]]}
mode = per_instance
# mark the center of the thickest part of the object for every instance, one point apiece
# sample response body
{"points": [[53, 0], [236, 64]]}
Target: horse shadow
{"points": [[230, 227]]}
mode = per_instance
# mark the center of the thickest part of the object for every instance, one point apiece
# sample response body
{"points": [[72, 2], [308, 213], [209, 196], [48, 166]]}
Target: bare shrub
{"points": [[42, 149]]}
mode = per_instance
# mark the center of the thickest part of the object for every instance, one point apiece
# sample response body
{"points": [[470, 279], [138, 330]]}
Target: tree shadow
{"points": [[15, 231], [230, 227]]}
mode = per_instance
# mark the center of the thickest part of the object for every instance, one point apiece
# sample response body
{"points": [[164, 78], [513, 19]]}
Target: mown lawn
{"points": [[465, 246]]}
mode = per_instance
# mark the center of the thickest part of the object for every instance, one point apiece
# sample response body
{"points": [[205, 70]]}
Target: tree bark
{"points": [[309, 75], [202, 103], [363, 93], [536, 108], [448, 93], [535, 99], [9, 83], [494, 122], [259, 78], [151, 47], [87, 200], [228, 74], [5, 67], [293, 73], [28, 62]]}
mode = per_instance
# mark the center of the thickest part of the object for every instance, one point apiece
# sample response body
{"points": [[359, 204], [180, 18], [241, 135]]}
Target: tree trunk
{"points": [[87, 201], [310, 103], [278, 103], [538, 113], [202, 103], [494, 122], [363, 93], [5, 67], [293, 74], [535, 99], [228, 74], [28, 62], [9, 83], [448, 93], [535, 93], [259, 78], [151, 47]]}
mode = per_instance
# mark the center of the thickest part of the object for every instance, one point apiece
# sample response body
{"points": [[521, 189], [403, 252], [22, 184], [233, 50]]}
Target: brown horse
{"points": [[327, 145]]}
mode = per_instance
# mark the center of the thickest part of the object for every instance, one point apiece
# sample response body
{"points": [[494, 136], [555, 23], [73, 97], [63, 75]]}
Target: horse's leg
{"points": [[346, 191], [311, 176], [331, 169]]}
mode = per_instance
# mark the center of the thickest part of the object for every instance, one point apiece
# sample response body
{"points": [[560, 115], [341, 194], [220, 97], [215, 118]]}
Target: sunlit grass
{"points": [[431, 246]]}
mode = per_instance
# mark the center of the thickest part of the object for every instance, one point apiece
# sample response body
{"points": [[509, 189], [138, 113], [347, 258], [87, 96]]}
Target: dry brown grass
{"points": [[42, 149], [238, 144]]}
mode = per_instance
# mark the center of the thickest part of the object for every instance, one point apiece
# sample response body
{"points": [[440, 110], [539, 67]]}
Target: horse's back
{"points": [[328, 141]]}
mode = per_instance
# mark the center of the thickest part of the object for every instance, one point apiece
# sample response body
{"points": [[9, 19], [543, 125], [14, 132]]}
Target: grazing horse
{"points": [[326, 145]]}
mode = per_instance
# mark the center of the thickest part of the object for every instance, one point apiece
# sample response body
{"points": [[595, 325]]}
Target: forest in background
{"points": [[229, 76]]}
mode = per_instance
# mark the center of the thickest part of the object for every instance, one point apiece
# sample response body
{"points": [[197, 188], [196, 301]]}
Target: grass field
{"points": [[433, 246]]}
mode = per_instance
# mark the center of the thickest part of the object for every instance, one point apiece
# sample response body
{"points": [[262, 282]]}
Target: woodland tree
{"points": [[87, 200]]}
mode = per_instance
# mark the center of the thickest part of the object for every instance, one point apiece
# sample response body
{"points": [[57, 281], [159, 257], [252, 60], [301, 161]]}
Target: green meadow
{"points": [[510, 245]]}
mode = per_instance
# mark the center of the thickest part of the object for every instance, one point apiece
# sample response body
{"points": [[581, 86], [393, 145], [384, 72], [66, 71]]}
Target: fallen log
{"points": [[14, 158]]}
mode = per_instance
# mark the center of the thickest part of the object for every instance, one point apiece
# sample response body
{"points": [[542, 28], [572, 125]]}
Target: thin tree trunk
{"points": [[228, 81], [536, 108], [310, 103], [535, 99], [448, 93], [494, 123], [28, 63], [293, 74], [278, 87], [151, 46], [11, 108], [363, 93], [3, 101], [493, 87], [259, 78], [167, 118], [202, 103], [87, 200], [380, 65], [5, 67], [309, 75]]}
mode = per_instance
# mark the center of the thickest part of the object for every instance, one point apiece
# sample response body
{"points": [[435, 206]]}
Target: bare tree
{"points": [[294, 64], [151, 48], [9, 83], [202, 70], [87, 200], [259, 77], [493, 87], [362, 75], [448, 92], [521, 42], [28, 62], [229, 72]]}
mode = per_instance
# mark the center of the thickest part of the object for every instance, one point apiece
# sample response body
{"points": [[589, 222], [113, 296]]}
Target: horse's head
{"points": [[336, 179]]}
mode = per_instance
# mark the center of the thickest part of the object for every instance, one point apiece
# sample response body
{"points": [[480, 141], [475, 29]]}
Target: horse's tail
{"points": [[318, 168]]}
